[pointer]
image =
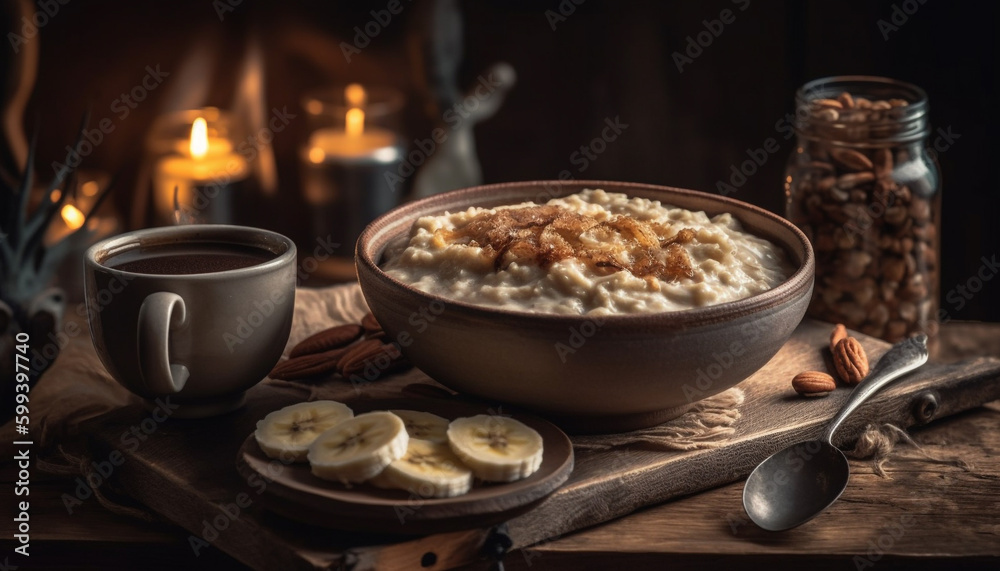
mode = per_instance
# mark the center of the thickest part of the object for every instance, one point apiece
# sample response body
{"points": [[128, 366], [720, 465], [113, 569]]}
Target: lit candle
{"points": [[344, 175], [355, 143], [201, 175]]}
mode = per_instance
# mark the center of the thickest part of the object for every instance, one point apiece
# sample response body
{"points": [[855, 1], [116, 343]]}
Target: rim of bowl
{"points": [[801, 278]]}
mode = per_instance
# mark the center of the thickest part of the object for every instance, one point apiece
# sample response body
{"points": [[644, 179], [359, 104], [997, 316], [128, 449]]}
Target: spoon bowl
{"points": [[794, 485]]}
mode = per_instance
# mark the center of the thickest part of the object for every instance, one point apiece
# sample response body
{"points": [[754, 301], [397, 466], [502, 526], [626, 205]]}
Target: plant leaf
{"points": [[6, 254], [42, 217], [40, 221], [24, 193]]}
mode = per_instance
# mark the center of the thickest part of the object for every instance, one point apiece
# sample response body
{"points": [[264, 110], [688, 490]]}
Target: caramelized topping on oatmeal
{"points": [[546, 234]]}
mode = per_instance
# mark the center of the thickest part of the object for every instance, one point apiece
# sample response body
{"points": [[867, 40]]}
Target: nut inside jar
{"points": [[863, 188]]}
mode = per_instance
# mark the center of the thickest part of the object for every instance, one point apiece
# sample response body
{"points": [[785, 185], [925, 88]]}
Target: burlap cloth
{"points": [[77, 387]]}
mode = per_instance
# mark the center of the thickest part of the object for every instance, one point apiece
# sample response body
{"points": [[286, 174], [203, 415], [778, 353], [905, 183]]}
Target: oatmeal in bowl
{"points": [[604, 305], [592, 252]]}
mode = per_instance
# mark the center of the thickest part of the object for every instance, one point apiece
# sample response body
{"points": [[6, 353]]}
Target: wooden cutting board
{"points": [[185, 469]]}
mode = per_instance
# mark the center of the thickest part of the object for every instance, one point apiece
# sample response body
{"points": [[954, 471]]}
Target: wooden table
{"points": [[929, 515]]}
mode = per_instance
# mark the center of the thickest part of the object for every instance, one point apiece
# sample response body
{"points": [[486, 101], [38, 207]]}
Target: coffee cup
{"points": [[197, 313]]}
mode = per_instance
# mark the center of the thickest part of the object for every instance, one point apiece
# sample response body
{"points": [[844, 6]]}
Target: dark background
{"points": [[605, 60]]}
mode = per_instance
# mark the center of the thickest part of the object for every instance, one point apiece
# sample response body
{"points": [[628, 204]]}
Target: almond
{"points": [[826, 183], [813, 384], [383, 367], [332, 338], [358, 354], [828, 114], [850, 360], [375, 334], [854, 179], [839, 333], [828, 103], [307, 366], [385, 357], [846, 100], [851, 159], [883, 163]]}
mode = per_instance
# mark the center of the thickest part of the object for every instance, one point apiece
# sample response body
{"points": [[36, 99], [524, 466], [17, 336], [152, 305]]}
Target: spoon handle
{"points": [[902, 358]]}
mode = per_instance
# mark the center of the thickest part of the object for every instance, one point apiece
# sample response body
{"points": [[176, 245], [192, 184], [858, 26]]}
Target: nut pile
{"points": [[345, 349], [849, 360], [872, 227]]}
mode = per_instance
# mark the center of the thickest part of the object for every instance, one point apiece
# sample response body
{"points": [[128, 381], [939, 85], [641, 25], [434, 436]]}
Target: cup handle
{"points": [[160, 312]]}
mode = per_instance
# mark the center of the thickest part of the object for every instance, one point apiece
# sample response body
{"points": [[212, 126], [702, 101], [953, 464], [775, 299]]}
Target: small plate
{"points": [[294, 492]]}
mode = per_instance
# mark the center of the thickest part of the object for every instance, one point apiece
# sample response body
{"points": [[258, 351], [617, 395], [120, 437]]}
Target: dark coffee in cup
{"points": [[181, 259]]}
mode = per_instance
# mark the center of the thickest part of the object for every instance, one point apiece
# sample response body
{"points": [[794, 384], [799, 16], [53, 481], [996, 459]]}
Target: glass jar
{"points": [[863, 186]]}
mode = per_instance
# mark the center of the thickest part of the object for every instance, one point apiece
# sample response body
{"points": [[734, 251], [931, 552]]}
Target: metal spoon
{"points": [[796, 484]]}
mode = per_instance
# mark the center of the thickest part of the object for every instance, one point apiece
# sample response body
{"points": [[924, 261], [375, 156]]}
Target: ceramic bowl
{"points": [[622, 371]]}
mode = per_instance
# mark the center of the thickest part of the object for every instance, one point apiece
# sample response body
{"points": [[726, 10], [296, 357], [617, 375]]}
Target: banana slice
{"points": [[359, 448], [381, 481], [428, 470], [496, 448], [424, 425], [286, 434]]}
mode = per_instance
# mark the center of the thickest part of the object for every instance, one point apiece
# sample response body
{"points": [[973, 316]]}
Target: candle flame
{"points": [[55, 195], [355, 95], [199, 138], [72, 216], [355, 122]]}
